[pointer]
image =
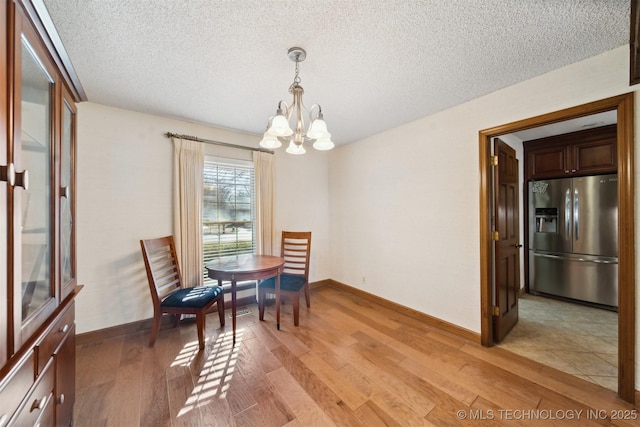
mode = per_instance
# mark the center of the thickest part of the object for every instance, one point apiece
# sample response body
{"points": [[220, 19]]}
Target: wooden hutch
{"points": [[38, 93]]}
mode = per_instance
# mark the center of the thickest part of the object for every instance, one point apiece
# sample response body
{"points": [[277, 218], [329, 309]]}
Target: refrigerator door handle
{"points": [[576, 214], [596, 261], [567, 213]]}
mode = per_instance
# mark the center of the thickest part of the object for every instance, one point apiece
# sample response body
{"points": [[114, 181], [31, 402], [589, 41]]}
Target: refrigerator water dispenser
{"points": [[546, 220]]}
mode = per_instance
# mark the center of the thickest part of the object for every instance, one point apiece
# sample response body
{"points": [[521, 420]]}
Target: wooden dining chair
{"points": [[168, 293], [296, 250]]}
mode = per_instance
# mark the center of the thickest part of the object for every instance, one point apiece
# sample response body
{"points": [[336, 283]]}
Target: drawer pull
{"points": [[38, 404], [22, 180], [61, 399], [3, 420], [8, 174], [64, 329]]}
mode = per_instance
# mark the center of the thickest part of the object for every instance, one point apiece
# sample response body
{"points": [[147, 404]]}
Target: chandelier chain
{"points": [[296, 78]]}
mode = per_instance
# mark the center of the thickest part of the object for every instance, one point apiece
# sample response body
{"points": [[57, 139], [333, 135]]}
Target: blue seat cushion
{"points": [[288, 282], [196, 297]]}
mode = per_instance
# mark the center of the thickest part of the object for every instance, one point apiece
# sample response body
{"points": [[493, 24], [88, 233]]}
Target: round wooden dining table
{"points": [[238, 268]]}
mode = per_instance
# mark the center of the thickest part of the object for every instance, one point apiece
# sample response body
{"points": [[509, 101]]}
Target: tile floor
{"points": [[577, 339]]}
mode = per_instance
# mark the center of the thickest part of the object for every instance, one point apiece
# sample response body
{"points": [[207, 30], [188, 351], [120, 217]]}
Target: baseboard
{"points": [[142, 325], [320, 283], [415, 314], [145, 324]]}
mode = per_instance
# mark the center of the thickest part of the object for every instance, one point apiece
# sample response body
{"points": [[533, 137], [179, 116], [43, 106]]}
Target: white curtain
{"points": [[264, 176], [188, 166]]}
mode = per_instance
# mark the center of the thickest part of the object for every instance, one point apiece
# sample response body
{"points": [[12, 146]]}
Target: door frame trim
{"points": [[624, 105]]}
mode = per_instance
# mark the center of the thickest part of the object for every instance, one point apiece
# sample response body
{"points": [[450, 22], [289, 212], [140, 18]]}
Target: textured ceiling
{"points": [[372, 65]]}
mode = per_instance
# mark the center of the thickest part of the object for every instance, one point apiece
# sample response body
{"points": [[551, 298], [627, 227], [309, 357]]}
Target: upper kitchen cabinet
{"points": [[586, 152], [38, 94]]}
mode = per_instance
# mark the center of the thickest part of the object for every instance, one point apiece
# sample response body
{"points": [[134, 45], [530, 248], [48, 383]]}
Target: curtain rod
{"points": [[210, 141]]}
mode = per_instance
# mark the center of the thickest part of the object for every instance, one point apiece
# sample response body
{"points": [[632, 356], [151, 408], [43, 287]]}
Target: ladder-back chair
{"points": [[168, 293], [296, 250]]}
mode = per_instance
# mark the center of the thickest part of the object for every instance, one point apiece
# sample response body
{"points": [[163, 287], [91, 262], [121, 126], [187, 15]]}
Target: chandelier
{"points": [[279, 129]]}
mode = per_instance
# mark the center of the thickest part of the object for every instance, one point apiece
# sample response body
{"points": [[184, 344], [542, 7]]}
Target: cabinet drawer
{"points": [[15, 387], [53, 338], [39, 403]]}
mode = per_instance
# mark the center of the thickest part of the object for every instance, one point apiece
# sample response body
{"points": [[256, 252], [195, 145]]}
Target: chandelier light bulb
{"points": [[295, 149], [318, 130], [323, 144], [270, 142], [280, 126]]}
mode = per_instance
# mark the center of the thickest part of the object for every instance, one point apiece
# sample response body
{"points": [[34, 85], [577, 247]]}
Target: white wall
{"points": [[404, 204], [124, 194], [302, 204]]}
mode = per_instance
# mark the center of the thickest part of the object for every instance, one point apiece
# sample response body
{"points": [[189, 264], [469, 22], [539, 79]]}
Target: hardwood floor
{"points": [[350, 363]]}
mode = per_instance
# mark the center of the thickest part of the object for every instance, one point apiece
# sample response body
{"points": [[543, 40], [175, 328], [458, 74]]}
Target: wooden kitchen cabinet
{"points": [[587, 152], [38, 286], [547, 162]]}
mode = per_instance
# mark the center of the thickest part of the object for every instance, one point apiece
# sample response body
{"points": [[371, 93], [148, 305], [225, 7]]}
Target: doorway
{"points": [[623, 105]]}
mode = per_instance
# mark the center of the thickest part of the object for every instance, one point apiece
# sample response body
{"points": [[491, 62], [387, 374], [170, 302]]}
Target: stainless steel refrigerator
{"points": [[573, 238]]}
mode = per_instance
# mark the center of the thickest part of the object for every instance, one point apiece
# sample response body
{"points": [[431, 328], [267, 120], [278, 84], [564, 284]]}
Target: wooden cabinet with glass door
{"points": [[34, 196], [67, 195], [38, 93], [7, 177]]}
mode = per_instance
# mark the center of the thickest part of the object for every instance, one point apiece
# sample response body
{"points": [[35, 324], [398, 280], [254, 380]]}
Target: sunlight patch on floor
{"points": [[215, 377]]}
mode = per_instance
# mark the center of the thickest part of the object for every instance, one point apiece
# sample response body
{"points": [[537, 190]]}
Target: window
{"points": [[228, 209]]}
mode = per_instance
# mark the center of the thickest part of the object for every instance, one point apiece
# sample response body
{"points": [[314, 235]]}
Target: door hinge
{"points": [[495, 311], [495, 235], [494, 160]]}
